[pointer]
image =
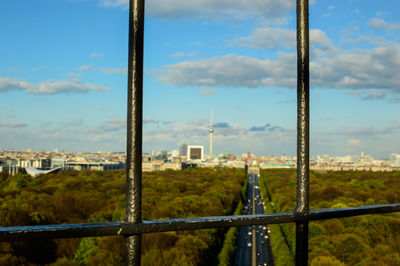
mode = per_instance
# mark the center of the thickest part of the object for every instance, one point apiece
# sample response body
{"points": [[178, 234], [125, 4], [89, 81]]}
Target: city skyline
{"points": [[63, 76]]}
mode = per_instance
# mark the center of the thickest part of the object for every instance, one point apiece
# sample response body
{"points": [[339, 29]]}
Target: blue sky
{"points": [[63, 75]]}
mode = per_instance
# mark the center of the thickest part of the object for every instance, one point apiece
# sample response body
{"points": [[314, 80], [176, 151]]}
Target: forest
{"points": [[99, 196], [360, 240]]}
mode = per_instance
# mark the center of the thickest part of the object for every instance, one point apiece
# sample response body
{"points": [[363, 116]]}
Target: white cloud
{"points": [[45, 123], [370, 94], [374, 72], [320, 43], [365, 133], [49, 87], [207, 91], [96, 54], [150, 120], [355, 142], [37, 69], [12, 124], [74, 123], [112, 125], [377, 140], [232, 71], [211, 9], [282, 38], [85, 67], [196, 43], [183, 55], [383, 25], [268, 38], [122, 71], [115, 125], [113, 3], [360, 70]]}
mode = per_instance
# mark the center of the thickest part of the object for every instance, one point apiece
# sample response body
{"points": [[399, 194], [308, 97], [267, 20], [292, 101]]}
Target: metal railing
{"points": [[132, 227]]}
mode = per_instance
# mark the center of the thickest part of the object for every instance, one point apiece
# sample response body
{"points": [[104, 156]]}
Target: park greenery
{"points": [[227, 255], [360, 240], [97, 196]]}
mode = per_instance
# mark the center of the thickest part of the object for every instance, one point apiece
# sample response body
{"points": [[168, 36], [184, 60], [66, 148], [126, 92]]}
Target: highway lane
{"points": [[253, 245], [243, 256], [264, 254]]}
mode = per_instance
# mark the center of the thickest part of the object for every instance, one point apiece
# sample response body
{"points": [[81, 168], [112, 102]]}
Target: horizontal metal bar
{"points": [[19, 233], [324, 214]]}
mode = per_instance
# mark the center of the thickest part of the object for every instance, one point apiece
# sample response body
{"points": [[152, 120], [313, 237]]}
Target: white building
{"points": [[195, 152]]}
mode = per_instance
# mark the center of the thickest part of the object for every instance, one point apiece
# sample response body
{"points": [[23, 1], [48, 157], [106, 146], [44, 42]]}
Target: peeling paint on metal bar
{"points": [[134, 129], [303, 128]]}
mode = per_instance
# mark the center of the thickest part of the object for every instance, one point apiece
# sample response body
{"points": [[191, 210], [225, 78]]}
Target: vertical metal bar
{"points": [[134, 129], [303, 91]]}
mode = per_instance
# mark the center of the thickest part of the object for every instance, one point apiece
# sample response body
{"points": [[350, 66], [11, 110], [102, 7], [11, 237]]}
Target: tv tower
{"points": [[211, 132]]}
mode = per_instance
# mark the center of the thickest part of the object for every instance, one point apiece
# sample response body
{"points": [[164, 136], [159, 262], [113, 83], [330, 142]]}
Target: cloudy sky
{"points": [[63, 78]]}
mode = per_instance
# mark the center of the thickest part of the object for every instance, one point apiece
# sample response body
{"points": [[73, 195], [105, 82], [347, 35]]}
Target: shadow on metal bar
{"points": [[21, 233]]}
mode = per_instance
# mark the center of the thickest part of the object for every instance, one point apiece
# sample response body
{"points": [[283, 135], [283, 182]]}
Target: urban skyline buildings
{"points": [[41, 162]]}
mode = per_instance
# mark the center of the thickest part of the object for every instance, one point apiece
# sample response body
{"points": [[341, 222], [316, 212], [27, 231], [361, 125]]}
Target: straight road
{"points": [[254, 246]]}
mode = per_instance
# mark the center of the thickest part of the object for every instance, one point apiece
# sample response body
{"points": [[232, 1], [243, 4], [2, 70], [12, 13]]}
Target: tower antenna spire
{"points": [[211, 133]]}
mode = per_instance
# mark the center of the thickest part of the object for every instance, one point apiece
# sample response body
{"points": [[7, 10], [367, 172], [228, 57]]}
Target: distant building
{"points": [[46, 164], [172, 166], [147, 166], [9, 165], [164, 155], [12, 170], [57, 163], [395, 158], [183, 149], [36, 163], [195, 153], [160, 166], [99, 166], [174, 153], [276, 165]]}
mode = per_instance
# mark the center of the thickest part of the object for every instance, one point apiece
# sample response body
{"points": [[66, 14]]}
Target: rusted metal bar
{"points": [[19, 233], [134, 129], [303, 91]]}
